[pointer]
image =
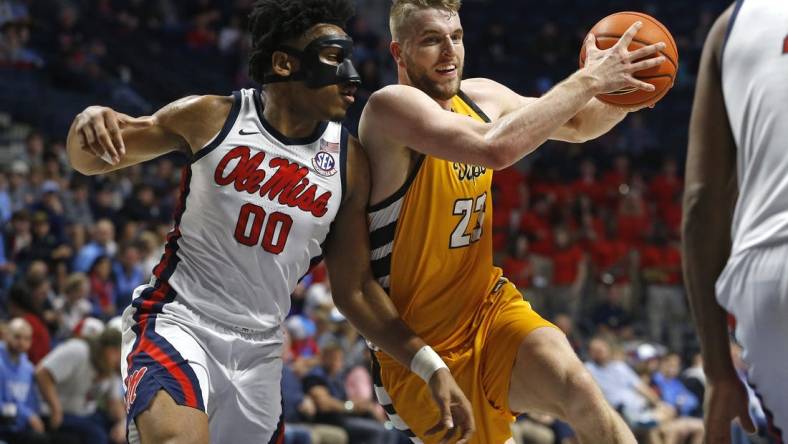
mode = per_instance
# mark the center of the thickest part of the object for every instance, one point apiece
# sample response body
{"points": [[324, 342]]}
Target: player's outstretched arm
{"points": [[593, 120], [404, 116], [370, 310], [101, 139], [709, 197]]}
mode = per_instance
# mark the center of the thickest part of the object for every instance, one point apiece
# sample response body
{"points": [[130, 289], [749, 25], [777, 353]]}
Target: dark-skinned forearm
{"points": [[373, 314], [706, 248]]}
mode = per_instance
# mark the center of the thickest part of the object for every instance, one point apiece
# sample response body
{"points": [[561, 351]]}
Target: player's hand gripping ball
{"points": [[607, 33]]}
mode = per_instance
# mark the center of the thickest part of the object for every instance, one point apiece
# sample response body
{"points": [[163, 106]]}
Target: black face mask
{"points": [[314, 72]]}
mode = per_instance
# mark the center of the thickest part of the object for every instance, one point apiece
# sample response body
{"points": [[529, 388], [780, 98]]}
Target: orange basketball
{"points": [[607, 33]]}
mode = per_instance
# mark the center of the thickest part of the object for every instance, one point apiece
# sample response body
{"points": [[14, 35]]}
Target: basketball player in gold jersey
{"points": [[433, 141]]}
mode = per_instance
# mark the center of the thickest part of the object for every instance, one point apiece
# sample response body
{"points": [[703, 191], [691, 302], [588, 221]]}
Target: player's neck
{"points": [[403, 79], [286, 118]]}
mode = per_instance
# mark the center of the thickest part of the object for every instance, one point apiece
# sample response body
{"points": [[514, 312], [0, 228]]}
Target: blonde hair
{"points": [[402, 9]]}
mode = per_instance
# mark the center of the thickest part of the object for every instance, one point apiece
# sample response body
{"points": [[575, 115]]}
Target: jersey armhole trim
{"points": [[228, 125], [343, 149], [728, 31], [473, 106], [402, 190]]}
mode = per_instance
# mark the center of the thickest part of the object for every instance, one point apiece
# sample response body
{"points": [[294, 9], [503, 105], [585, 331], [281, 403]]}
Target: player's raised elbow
{"points": [[499, 155], [579, 137], [498, 159]]}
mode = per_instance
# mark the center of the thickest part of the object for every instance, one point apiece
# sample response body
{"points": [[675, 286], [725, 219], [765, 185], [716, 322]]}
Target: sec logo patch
{"points": [[324, 164]]}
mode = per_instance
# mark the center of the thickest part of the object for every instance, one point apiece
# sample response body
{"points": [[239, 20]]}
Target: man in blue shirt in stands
{"points": [[18, 400]]}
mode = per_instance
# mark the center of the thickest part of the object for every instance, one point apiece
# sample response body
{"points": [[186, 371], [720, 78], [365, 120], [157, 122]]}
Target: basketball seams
{"points": [[651, 20], [656, 22], [610, 30]]}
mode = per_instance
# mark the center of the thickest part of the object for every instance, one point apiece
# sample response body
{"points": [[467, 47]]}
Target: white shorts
{"points": [[232, 376], [754, 289]]}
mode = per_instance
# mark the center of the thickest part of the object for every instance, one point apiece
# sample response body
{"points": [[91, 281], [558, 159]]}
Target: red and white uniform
{"points": [[754, 285], [255, 209]]}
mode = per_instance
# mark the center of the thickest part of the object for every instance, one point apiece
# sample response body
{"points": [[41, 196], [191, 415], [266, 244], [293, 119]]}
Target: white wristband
{"points": [[426, 362]]}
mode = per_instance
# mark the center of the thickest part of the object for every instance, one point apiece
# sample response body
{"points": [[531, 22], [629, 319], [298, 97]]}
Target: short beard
{"points": [[424, 83]]}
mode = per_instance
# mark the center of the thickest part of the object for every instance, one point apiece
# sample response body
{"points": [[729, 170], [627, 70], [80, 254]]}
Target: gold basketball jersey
{"points": [[431, 244]]}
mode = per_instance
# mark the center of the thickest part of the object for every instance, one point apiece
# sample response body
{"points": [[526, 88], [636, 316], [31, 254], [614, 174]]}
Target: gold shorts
{"points": [[482, 368]]}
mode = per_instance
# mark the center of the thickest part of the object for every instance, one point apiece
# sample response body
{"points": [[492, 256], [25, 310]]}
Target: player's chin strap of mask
{"points": [[314, 72]]}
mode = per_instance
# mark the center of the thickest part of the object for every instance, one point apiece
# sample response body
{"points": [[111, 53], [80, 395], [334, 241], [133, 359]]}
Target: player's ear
{"points": [[282, 64], [396, 51]]}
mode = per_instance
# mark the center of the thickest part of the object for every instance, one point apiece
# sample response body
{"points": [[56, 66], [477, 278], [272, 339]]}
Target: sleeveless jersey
{"points": [[431, 244], [755, 86], [255, 208]]}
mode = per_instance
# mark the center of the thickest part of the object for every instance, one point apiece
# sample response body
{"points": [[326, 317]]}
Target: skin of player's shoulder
{"points": [[492, 97], [196, 119], [390, 96], [480, 90], [375, 117], [718, 31]]}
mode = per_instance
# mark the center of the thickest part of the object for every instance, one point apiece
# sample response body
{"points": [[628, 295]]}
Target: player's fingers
{"points": [[84, 143], [97, 146], [126, 121], [646, 64], [106, 142], [448, 436], [639, 84], [444, 406], [590, 43], [646, 51], [628, 36], [465, 437], [466, 431], [90, 140], [436, 428], [114, 132]]}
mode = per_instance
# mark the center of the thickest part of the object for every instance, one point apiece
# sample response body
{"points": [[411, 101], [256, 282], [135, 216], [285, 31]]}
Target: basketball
{"points": [[607, 33]]}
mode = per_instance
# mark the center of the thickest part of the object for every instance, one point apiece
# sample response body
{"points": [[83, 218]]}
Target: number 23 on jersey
{"points": [[468, 209]]}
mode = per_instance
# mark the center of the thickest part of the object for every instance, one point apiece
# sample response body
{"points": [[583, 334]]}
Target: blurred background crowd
{"points": [[590, 233]]}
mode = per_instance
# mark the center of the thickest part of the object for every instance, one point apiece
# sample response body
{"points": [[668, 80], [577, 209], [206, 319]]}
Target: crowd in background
{"points": [[590, 233]]}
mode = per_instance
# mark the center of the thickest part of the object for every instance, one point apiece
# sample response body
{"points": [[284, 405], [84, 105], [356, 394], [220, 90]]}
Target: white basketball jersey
{"points": [[255, 209], [755, 85]]}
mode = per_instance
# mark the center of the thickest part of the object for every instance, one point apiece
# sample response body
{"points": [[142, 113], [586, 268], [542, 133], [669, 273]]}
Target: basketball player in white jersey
{"points": [[273, 182], [738, 146]]}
